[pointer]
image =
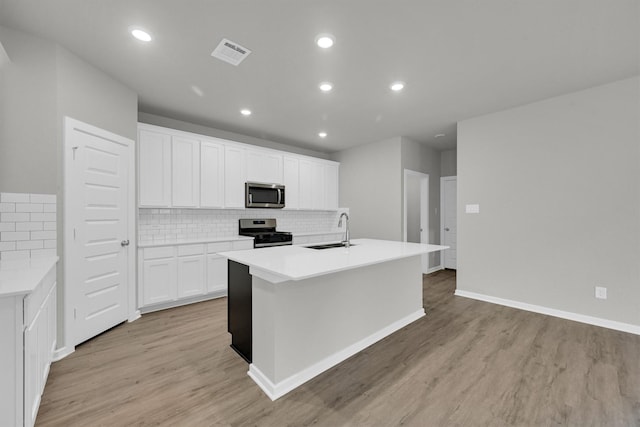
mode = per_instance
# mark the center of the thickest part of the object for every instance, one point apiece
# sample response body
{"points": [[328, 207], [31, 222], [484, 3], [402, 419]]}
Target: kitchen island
{"points": [[311, 309]]}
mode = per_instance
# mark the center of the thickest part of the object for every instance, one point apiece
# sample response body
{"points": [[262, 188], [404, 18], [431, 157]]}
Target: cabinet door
{"points": [[159, 281], [32, 376], [154, 165], [216, 273], [318, 187], [234, 177], [305, 185], [291, 176], [331, 186], [185, 161], [264, 166], [191, 279], [211, 175]]}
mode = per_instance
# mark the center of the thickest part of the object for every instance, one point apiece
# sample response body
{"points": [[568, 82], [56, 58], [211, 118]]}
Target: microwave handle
{"points": [[279, 196], [250, 198]]}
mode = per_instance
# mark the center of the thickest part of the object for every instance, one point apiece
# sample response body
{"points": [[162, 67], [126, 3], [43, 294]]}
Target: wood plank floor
{"points": [[467, 363]]}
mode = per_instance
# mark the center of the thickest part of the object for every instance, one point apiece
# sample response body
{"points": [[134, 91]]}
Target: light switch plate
{"points": [[472, 208], [601, 292]]}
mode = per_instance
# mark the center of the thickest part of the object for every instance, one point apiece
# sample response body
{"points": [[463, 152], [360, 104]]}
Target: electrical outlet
{"points": [[601, 292]]}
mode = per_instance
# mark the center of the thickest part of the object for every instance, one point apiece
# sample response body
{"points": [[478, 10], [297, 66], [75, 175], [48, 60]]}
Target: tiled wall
{"points": [[172, 224], [27, 225]]}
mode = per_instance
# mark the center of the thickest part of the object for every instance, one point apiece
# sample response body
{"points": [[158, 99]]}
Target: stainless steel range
{"points": [[264, 232]]}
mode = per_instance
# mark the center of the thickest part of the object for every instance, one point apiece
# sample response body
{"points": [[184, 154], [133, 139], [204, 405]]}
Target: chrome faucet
{"points": [[347, 237]]}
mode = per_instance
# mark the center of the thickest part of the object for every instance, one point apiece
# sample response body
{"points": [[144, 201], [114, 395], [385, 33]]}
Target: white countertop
{"points": [[20, 277], [173, 242], [282, 263]]}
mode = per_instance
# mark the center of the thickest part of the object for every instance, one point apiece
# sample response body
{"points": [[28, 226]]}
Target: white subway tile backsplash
{"points": [[169, 224], [43, 198], [14, 197], [27, 225], [29, 207], [41, 235], [14, 216], [9, 236], [30, 244], [48, 216], [7, 207]]}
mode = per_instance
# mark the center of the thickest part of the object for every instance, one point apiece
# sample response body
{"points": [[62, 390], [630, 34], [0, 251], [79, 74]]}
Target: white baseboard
{"points": [[596, 321], [274, 391], [62, 352], [135, 316], [434, 269]]}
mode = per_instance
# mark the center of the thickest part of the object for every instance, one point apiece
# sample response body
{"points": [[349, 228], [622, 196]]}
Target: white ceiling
{"points": [[459, 59]]}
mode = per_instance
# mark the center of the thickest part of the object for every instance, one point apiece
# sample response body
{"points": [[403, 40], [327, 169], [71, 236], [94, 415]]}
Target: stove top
{"points": [[264, 232]]}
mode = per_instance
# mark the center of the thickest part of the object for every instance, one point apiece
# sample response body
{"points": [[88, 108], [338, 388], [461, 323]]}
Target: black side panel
{"points": [[239, 309]]}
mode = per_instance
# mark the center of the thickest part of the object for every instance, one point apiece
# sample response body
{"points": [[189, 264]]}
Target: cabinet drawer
{"points": [[161, 252], [33, 301], [216, 247], [239, 245], [186, 250]]}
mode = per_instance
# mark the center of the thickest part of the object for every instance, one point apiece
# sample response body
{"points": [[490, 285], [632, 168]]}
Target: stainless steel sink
{"points": [[328, 246]]}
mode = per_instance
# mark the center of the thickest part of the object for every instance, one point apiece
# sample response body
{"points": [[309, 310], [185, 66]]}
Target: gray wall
{"points": [[558, 183], [153, 119], [412, 186], [420, 158], [28, 126], [449, 162], [370, 185]]}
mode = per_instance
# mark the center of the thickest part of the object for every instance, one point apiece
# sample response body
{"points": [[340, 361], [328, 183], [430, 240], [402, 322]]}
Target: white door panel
{"points": [[98, 180], [449, 220]]}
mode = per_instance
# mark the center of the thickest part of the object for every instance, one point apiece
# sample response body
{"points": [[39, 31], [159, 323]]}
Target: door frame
{"points": [[424, 210], [442, 181], [69, 201]]}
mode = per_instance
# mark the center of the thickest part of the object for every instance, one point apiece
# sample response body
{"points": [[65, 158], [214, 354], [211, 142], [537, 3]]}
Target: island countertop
{"points": [[283, 263]]}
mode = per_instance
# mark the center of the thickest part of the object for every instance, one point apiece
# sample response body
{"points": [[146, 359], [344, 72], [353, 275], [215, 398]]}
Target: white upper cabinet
{"points": [[211, 175], [154, 160], [184, 170], [331, 186], [185, 161], [291, 177], [234, 176], [264, 166]]}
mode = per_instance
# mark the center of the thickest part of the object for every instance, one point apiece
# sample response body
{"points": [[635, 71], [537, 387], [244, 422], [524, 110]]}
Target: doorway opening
{"points": [[416, 211]]}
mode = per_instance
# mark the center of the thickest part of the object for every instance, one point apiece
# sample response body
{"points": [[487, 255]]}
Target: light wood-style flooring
{"points": [[466, 363]]}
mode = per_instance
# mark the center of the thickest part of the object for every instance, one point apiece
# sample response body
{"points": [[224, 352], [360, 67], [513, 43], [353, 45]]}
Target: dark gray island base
{"points": [[239, 309]]}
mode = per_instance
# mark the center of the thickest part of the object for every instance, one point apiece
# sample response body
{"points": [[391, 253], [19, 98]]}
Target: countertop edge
{"points": [[34, 274]]}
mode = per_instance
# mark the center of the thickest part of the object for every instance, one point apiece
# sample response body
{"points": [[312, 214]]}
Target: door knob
{"points": [[446, 229], [124, 243]]}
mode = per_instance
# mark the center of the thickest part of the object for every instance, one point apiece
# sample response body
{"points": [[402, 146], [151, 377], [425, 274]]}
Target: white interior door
{"points": [[448, 207], [97, 229]]}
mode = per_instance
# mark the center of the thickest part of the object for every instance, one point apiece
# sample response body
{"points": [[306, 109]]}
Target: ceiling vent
{"points": [[230, 52]]}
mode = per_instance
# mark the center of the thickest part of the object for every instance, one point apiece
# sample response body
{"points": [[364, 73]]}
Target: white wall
{"points": [[28, 114], [154, 119], [558, 183], [449, 162], [420, 158], [371, 186]]}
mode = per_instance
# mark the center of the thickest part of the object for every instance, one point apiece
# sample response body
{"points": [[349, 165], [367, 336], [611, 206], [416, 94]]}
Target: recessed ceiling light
{"points": [[245, 112], [325, 41], [140, 34], [440, 135], [322, 134], [326, 86], [397, 86]]}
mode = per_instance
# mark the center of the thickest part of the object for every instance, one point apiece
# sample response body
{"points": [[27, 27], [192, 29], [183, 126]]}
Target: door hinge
{"points": [[74, 151], [75, 314], [74, 234]]}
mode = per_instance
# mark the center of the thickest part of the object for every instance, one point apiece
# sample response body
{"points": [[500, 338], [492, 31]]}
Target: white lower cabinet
{"points": [[216, 273], [172, 275], [191, 276], [28, 342]]}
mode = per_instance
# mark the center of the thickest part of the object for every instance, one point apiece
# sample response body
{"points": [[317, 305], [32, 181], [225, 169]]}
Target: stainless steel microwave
{"points": [[261, 195]]}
